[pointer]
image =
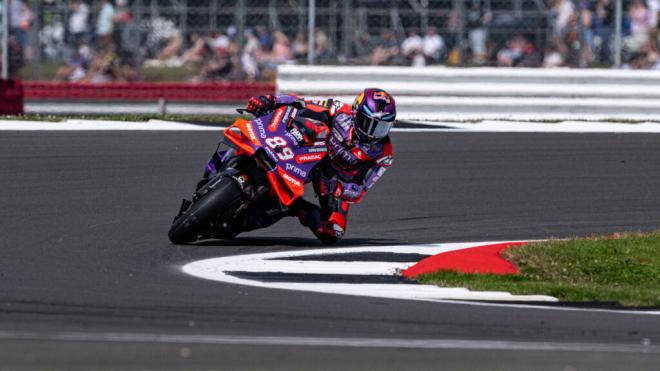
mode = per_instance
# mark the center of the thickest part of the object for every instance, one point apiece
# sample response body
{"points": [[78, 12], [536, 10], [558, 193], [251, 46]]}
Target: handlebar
{"points": [[244, 111]]}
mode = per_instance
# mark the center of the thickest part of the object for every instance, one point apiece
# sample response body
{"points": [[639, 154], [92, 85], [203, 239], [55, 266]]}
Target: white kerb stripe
{"points": [[333, 342]]}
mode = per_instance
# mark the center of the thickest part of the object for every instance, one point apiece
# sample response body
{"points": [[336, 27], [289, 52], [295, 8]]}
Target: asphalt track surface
{"points": [[84, 218]]}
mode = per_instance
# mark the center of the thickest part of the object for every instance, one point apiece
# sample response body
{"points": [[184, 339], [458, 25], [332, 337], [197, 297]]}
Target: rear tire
{"points": [[198, 217]]}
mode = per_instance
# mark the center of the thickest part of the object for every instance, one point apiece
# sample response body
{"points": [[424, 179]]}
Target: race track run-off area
{"points": [[88, 276]]}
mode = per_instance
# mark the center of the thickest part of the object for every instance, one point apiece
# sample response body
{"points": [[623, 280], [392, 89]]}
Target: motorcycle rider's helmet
{"points": [[374, 113]]}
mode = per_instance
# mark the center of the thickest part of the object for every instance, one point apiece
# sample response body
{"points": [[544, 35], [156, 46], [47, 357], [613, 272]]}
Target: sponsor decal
{"points": [[310, 157], [260, 128], [277, 118], [317, 149], [359, 99], [290, 136], [382, 96], [337, 136], [385, 161], [296, 134], [344, 122], [296, 170], [291, 179], [250, 131], [336, 106], [320, 102], [289, 114], [358, 153]]}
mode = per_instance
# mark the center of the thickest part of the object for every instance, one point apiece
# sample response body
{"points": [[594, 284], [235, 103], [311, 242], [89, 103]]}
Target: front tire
{"points": [[198, 217]]}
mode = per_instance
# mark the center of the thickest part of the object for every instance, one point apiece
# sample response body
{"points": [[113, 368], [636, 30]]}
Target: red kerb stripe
{"points": [[479, 259]]}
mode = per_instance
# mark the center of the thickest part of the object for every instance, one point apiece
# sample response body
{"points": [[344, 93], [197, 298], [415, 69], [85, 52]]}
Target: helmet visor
{"points": [[372, 127]]}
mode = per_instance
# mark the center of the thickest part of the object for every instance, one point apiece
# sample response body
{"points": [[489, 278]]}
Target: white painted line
{"points": [[322, 267], [449, 344], [216, 269], [98, 125], [432, 126], [560, 127]]}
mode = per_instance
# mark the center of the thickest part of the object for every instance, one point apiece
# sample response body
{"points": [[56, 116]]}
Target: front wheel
{"points": [[199, 216]]}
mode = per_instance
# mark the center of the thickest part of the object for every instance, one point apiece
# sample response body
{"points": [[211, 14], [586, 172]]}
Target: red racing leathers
{"points": [[351, 168]]}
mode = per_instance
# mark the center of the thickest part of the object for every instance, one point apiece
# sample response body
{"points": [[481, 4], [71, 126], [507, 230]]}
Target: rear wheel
{"points": [[202, 213]]}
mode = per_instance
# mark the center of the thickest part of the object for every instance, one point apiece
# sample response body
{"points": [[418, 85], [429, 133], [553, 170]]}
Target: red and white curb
{"points": [[365, 271]]}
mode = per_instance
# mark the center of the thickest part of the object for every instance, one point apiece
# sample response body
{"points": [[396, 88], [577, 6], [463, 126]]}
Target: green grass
{"points": [[48, 70], [202, 119], [623, 268], [169, 74]]}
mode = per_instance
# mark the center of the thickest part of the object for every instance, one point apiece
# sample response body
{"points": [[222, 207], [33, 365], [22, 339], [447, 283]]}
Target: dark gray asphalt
{"points": [[84, 217]]}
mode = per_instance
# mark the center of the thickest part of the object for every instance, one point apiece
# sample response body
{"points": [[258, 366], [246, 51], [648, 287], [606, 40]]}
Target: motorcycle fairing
{"points": [[294, 161]]}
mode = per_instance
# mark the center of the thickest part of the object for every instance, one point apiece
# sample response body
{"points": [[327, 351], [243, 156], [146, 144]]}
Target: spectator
{"points": [[604, 25], [433, 46], [299, 47], [388, 49], [552, 58], [195, 54], [52, 40], [322, 45], [219, 41], [78, 23], [586, 36], [128, 41], [477, 23], [412, 43], [20, 18], [249, 56], [363, 46], [76, 68], [563, 10], [639, 26], [264, 37], [103, 66], [281, 48], [105, 23], [565, 32], [218, 67], [654, 22], [411, 48], [168, 54], [519, 52]]}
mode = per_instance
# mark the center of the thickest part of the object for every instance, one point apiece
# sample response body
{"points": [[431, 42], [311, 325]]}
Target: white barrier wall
{"points": [[468, 93]]}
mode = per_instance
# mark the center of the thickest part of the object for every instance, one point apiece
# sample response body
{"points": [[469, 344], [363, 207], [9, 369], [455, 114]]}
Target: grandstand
{"points": [[119, 47]]}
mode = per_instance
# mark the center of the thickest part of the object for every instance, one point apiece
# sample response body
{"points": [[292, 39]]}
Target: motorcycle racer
{"points": [[359, 152]]}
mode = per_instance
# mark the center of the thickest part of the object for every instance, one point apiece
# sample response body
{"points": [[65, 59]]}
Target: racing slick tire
{"points": [[198, 217]]}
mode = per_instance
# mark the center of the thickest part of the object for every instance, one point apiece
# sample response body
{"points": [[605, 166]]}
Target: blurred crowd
{"points": [[583, 33], [105, 43]]}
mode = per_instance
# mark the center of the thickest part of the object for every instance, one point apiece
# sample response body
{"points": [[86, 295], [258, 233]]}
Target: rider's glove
{"points": [[261, 105], [349, 192], [325, 186]]}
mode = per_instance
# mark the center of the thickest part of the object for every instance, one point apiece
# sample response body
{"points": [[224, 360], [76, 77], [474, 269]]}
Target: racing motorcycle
{"points": [[261, 173]]}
